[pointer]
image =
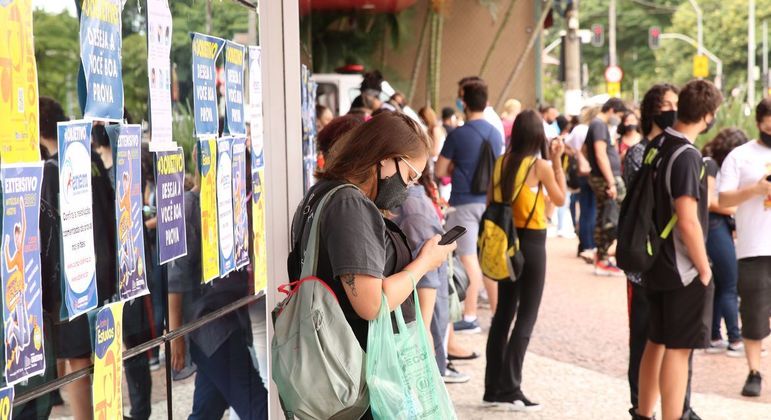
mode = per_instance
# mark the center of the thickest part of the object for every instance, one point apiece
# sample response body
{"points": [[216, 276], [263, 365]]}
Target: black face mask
{"points": [[666, 119], [391, 191], [625, 129], [710, 125], [765, 138]]}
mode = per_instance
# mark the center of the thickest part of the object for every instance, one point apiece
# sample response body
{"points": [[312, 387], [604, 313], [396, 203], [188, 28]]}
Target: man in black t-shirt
{"points": [[605, 180], [679, 286]]}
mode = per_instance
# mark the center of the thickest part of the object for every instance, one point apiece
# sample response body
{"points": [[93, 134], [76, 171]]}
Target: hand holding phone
{"points": [[452, 235]]}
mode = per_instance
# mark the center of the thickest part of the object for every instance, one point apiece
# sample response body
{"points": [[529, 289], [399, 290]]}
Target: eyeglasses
{"points": [[413, 180]]}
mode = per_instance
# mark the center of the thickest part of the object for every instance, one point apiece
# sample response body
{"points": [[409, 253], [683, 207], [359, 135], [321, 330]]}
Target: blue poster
{"points": [[235, 54], [6, 403], [240, 203], [78, 270], [225, 205], [22, 293], [205, 51], [170, 196], [132, 277], [100, 49]]}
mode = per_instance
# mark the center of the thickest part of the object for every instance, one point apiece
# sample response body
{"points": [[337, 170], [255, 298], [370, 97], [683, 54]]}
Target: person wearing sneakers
{"points": [[521, 177], [679, 283], [605, 180], [745, 182]]}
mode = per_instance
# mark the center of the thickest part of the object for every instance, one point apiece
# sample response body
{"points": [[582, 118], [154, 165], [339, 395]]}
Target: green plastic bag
{"points": [[402, 376], [456, 307]]}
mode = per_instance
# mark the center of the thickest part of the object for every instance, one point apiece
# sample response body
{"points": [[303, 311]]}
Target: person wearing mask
{"points": [[459, 158], [720, 247], [658, 112], [522, 174], [362, 255], [586, 201], [679, 286], [488, 114], [745, 182], [449, 120], [323, 117], [511, 108], [605, 180], [566, 227], [435, 130], [629, 134]]}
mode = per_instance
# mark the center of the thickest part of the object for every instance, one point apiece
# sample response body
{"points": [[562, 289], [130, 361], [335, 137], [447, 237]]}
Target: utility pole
{"points": [[751, 55], [572, 63], [765, 59], [612, 59], [208, 16], [700, 29]]}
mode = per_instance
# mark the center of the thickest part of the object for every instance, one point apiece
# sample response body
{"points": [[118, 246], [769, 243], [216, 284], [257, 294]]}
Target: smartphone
{"points": [[452, 235]]}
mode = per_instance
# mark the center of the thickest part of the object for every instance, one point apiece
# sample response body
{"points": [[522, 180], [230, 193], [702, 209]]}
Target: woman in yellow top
{"points": [[525, 176]]}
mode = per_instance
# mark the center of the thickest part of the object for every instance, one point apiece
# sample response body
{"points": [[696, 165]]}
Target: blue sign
{"points": [[205, 51], [235, 55], [225, 205], [100, 47]]}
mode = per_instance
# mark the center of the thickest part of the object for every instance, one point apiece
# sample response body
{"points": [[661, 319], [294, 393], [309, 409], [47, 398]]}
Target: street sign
{"points": [[614, 89], [614, 74], [700, 66]]}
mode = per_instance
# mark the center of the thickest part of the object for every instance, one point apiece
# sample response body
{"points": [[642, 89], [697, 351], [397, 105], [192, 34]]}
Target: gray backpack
{"points": [[317, 363]]}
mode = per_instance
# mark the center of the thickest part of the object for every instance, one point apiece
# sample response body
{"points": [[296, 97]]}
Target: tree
{"points": [[57, 53]]}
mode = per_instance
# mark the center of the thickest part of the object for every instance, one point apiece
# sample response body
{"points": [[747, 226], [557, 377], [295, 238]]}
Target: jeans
{"points": [[506, 353], [722, 253], [228, 379], [586, 219], [565, 223]]}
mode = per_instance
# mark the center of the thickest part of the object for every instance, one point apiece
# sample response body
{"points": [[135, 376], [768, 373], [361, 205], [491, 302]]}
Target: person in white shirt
{"points": [[744, 182]]}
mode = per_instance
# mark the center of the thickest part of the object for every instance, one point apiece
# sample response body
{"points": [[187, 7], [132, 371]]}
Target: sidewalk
{"points": [[577, 362]]}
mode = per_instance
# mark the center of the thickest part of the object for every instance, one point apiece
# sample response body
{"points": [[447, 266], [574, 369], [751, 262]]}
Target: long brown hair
{"points": [[388, 135]]}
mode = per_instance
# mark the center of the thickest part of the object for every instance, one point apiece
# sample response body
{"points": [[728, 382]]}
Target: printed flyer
{"points": [[235, 55], [240, 215], [258, 231], [260, 265], [19, 125], [210, 254], [205, 51], [6, 403], [100, 49], [225, 205], [170, 195], [132, 276], [77, 220], [107, 386], [22, 293], [159, 73]]}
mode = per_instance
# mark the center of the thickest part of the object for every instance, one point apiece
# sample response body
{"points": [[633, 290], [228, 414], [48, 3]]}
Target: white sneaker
{"points": [[567, 234], [520, 405], [717, 347], [737, 350], [452, 376]]}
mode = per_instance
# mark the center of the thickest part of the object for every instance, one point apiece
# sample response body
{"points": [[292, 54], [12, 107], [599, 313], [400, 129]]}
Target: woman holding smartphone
{"points": [[521, 177]]}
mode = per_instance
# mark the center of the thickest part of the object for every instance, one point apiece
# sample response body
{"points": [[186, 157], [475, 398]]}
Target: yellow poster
{"points": [[207, 165], [19, 140], [108, 362], [258, 229]]}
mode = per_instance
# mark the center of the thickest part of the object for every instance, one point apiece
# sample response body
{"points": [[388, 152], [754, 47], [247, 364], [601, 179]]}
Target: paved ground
{"points": [[578, 355]]}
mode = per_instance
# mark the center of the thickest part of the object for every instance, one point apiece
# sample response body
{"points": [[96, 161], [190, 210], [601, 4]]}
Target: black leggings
{"points": [[505, 355]]}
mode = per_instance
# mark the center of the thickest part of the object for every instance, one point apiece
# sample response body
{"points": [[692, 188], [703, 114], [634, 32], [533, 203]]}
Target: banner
{"points": [[107, 386], [240, 215], [308, 117], [19, 125], [234, 88], [100, 49], [77, 221], [22, 293], [159, 73], [205, 51], [225, 205], [170, 195], [132, 277], [260, 264], [210, 254], [6, 403]]}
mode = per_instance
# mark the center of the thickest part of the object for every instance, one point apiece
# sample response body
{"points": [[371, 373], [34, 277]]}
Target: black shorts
{"points": [[681, 318], [73, 339], [754, 288]]}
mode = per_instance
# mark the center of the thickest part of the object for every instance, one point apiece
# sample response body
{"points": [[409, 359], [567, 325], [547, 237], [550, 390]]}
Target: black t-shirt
{"points": [[353, 240], [674, 268], [711, 167], [598, 132]]}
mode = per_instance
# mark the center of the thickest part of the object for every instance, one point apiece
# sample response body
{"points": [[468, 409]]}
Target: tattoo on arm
{"points": [[350, 280]]}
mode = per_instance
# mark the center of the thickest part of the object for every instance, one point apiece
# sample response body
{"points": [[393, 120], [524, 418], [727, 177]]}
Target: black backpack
{"points": [[637, 226], [484, 171]]}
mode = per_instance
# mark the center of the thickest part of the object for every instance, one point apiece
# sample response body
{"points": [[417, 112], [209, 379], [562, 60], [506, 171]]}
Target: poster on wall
{"points": [[308, 116], [210, 254], [257, 166], [132, 276], [225, 205], [100, 50], [240, 215], [259, 244], [107, 386], [235, 55], [6, 403], [170, 195], [22, 292], [159, 73], [18, 81], [77, 221], [205, 51]]}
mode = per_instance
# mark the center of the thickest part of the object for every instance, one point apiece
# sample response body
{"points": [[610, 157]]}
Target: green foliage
{"points": [[183, 127], [57, 53], [135, 84]]}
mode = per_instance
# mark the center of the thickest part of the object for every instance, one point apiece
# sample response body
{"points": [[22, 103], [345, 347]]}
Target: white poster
{"points": [[159, 73], [225, 205], [255, 104]]}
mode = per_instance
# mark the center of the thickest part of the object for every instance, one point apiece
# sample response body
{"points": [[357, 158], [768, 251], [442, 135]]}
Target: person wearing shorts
{"points": [[744, 182]]}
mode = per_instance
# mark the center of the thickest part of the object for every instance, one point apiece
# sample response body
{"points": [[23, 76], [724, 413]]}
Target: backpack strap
{"points": [[311, 255], [668, 182], [535, 204]]}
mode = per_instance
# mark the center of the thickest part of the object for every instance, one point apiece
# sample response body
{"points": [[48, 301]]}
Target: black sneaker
{"points": [[520, 404], [693, 416], [752, 386]]}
